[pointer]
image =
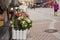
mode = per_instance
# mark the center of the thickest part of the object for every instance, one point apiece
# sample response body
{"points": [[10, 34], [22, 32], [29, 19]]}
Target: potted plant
{"points": [[20, 23]]}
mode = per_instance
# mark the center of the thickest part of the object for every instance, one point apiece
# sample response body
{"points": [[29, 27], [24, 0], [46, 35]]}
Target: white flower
{"points": [[28, 21], [23, 22], [22, 17], [12, 25], [16, 7], [19, 18], [25, 25], [11, 22]]}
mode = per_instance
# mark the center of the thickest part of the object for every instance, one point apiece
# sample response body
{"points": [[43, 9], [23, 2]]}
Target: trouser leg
{"points": [[55, 13], [11, 15]]}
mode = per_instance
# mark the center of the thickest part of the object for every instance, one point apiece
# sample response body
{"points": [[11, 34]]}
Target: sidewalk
{"points": [[44, 19]]}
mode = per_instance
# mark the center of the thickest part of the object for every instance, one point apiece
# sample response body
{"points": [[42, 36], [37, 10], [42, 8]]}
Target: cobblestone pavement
{"points": [[43, 19]]}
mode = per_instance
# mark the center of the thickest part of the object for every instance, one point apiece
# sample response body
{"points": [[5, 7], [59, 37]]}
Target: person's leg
{"points": [[55, 13], [11, 16], [8, 16]]}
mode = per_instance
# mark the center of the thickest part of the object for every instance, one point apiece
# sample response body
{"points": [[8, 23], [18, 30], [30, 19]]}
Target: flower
{"points": [[22, 17], [21, 20], [16, 7], [28, 20], [11, 22], [17, 15], [24, 23], [25, 15]]}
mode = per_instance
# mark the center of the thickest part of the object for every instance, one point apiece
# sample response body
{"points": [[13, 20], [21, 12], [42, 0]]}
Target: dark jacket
{"points": [[1, 10]]}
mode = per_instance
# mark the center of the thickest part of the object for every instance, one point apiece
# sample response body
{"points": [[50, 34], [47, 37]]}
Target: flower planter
{"points": [[20, 25], [19, 34], [24, 36], [14, 33]]}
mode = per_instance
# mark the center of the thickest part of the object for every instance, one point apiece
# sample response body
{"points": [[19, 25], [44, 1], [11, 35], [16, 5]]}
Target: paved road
{"points": [[44, 19]]}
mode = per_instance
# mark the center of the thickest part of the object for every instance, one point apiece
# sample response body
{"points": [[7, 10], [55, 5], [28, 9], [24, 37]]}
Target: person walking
{"points": [[1, 9], [56, 7]]}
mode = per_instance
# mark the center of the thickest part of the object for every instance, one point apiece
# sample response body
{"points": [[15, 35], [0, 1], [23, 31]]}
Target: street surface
{"points": [[44, 19]]}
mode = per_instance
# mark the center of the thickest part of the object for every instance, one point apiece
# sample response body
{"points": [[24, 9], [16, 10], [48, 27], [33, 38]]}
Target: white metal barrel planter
{"points": [[20, 25], [19, 34], [24, 34], [14, 33]]}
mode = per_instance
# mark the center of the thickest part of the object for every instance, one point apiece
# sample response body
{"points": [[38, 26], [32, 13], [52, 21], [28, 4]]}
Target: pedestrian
{"points": [[11, 12], [1, 9], [56, 7]]}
